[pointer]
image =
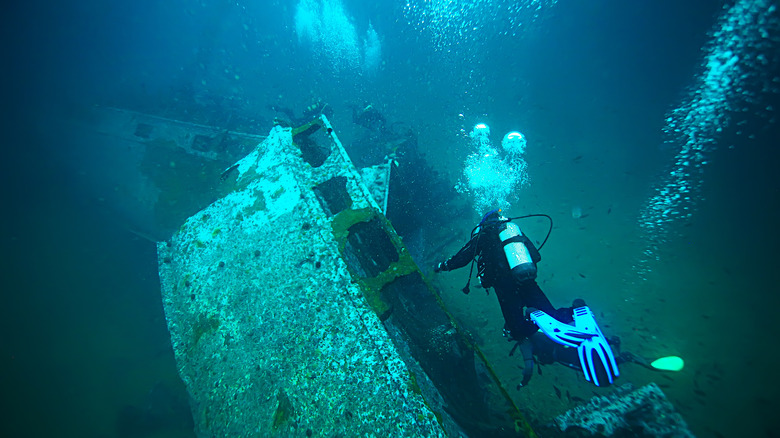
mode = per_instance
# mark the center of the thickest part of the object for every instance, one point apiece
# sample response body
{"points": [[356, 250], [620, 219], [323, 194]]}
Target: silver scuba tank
{"points": [[519, 258]]}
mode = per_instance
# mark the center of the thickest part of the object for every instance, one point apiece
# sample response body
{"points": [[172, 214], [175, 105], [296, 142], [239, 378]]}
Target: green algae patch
{"points": [[284, 410], [345, 219], [372, 286], [258, 205], [205, 324], [413, 385]]}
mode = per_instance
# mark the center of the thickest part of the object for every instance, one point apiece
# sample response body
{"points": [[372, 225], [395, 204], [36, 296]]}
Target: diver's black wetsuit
{"points": [[493, 270]]}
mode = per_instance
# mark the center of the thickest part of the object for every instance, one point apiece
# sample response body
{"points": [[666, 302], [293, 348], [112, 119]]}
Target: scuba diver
{"points": [[309, 113], [370, 118], [506, 261]]}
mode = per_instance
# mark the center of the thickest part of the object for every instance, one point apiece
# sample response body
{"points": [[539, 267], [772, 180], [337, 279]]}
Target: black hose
{"points": [[537, 215]]}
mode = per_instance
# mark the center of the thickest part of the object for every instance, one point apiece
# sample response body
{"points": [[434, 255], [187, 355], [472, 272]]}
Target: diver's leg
{"points": [[627, 356], [512, 308], [534, 297]]}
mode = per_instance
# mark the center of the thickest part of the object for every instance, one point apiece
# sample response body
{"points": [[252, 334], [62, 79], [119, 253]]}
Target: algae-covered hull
{"points": [[294, 310]]}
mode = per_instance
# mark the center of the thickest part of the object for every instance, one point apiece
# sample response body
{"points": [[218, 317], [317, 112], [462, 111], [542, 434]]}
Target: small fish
{"points": [[609, 210], [227, 172], [577, 399], [683, 406], [577, 158], [568, 396], [582, 275], [700, 393], [557, 391]]}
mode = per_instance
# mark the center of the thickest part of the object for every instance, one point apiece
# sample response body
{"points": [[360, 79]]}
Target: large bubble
{"points": [[738, 74], [514, 143]]}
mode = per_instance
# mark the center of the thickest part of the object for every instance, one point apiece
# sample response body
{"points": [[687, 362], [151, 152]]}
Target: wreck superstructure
{"points": [[294, 308]]}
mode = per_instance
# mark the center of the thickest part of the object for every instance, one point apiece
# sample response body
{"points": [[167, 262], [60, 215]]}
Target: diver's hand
{"points": [[441, 266]]}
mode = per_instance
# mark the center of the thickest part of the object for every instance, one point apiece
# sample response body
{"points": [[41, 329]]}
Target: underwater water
{"points": [[651, 140]]}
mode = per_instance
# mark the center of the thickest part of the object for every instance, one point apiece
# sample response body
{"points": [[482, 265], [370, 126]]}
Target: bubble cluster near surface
{"points": [[325, 26], [454, 23]]}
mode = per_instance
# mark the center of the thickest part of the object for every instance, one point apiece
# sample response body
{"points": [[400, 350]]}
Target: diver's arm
{"points": [[462, 258]]}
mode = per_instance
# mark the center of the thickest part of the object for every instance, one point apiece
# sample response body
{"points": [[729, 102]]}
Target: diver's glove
{"points": [[442, 266]]}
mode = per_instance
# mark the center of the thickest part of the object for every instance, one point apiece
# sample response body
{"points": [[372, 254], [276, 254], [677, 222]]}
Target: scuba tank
{"points": [[517, 254]]}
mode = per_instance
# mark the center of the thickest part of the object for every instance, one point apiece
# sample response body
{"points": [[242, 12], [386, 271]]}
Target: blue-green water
{"points": [[651, 139]]}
